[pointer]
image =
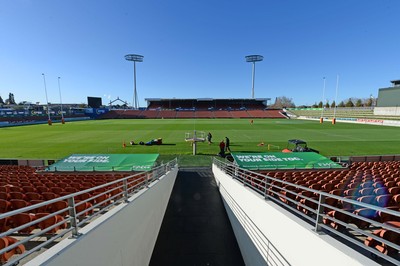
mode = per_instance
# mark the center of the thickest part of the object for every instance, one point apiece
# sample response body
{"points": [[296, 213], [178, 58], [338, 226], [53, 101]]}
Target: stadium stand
{"points": [[222, 114], [204, 114], [120, 114], [206, 104], [150, 114], [361, 202], [81, 197], [167, 114], [185, 114], [239, 114], [199, 108]]}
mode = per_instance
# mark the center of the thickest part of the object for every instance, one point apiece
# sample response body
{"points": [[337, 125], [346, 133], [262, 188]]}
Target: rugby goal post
{"points": [[194, 137]]}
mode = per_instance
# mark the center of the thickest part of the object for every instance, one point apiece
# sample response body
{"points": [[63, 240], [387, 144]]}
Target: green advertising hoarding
{"points": [[282, 160], [105, 162]]}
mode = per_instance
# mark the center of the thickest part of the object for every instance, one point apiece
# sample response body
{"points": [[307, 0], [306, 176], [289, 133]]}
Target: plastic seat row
{"points": [[388, 235], [8, 241]]}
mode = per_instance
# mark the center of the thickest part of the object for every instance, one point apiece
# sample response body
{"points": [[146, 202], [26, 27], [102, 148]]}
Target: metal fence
{"points": [[79, 210], [355, 223]]}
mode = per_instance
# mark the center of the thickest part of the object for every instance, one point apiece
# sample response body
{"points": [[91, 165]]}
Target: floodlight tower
{"points": [[253, 59], [47, 101], [135, 58], [62, 112]]}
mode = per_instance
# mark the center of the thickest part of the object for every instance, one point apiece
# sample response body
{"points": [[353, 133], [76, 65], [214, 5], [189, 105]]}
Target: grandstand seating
{"points": [[22, 186], [387, 235], [48, 186], [222, 114], [161, 113], [204, 114], [374, 183], [269, 113], [185, 114], [150, 114], [167, 114], [46, 216], [204, 104], [239, 114]]}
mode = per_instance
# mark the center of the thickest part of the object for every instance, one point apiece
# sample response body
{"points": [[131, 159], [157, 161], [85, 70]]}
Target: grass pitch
{"points": [[107, 136]]}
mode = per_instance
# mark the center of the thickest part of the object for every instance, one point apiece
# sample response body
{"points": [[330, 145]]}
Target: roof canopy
{"points": [[105, 162], [280, 160]]}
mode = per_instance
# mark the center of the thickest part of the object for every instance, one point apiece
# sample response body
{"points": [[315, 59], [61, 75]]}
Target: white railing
{"points": [[68, 220], [350, 226]]}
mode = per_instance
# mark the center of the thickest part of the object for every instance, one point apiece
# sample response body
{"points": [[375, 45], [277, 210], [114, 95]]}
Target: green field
{"points": [[107, 136]]}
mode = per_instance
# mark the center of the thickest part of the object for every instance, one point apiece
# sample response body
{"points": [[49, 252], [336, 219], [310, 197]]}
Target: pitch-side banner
{"points": [[281, 160], [105, 162]]}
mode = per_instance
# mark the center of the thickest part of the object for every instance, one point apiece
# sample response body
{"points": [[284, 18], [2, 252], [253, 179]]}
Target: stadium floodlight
{"points": [[321, 119], [135, 58], [47, 100], [253, 59]]}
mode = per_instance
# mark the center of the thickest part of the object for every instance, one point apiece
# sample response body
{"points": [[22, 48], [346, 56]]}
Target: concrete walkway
{"points": [[196, 229]]}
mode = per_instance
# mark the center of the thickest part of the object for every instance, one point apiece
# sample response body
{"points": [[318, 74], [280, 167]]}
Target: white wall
{"points": [[271, 229], [377, 122], [387, 111], [125, 235]]}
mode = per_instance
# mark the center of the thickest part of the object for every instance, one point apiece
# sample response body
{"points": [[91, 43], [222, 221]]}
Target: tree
{"points": [[341, 104], [1, 100], [282, 101], [315, 105], [11, 99], [320, 104], [369, 102], [327, 104], [333, 105], [359, 103], [349, 103]]}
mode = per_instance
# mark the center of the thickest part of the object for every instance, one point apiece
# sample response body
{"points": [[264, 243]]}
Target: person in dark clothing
{"points": [[209, 137], [227, 143]]}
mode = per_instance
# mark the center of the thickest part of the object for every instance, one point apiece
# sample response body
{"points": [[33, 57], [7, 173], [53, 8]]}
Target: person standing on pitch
{"points": [[209, 137], [222, 149], [227, 143]]}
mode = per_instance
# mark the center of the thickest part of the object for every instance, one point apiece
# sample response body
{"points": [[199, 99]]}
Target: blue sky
{"points": [[197, 49]]}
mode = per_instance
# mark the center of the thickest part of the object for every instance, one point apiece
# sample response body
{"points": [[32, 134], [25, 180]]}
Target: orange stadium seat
{"points": [[42, 189], [5, 206], [49, 195], [58, 206], [394, 190], [50, 222], [15, 189], [388, 235], [57, 190], [18, 203], [22, 219], [82, 209], [17, 195], [8, 241], [4, 195], [33, 196], [40, 209]]}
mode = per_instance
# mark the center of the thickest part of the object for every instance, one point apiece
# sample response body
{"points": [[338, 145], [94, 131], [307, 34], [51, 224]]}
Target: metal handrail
{"points": [[75, 221], [266, 186]]}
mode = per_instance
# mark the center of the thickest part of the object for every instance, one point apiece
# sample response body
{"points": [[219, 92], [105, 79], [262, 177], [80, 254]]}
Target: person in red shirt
{"points": [[222, 148]]}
